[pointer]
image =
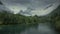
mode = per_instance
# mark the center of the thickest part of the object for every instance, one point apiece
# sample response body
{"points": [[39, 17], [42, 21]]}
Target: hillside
{"points": [[56, 17]]}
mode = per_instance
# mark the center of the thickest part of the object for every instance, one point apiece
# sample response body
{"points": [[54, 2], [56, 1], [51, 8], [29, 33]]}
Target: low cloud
{"points": [[38, 5]]}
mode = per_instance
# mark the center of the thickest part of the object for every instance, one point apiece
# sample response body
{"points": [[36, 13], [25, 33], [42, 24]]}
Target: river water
{"points": [[41, 28]]}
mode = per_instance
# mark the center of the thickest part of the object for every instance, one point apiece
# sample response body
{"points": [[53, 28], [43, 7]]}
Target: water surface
{"points": [[27, 29]]}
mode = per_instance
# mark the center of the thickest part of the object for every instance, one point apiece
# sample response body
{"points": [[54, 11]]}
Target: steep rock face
{"points": [[55, 17], [56, 11]]}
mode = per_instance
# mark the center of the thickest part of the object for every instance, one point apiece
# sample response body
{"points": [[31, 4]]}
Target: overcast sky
{"points": [[41, 7]]}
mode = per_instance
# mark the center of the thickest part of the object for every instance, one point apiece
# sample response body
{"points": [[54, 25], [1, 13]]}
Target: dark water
{"points": [[27, 29]]}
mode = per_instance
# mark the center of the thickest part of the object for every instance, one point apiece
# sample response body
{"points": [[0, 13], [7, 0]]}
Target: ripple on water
{"points": [[41, 29]]}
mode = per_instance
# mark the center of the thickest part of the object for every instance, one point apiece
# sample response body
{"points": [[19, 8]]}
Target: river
{"points": [[41, 28]]}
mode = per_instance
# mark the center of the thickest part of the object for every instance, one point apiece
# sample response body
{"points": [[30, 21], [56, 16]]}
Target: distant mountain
{"points": [[26, 12]]}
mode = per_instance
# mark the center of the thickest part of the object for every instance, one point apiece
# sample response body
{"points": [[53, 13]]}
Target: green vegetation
{"points": [[10, 18]]}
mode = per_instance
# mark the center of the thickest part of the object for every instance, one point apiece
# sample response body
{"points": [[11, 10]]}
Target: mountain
{"points": [[54, 18], [56, 11], [26, 12]]}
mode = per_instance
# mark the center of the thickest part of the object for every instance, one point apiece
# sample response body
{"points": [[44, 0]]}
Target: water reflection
{"points": [[27, 29]]}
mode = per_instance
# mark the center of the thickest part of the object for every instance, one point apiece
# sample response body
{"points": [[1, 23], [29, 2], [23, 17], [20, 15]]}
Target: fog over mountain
{"points": [[40, 7]]}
